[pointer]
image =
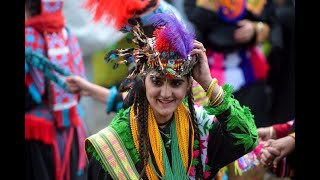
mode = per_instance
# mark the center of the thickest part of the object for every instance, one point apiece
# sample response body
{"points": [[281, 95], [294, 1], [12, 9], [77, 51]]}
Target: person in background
{"points": [[231, 39], [54, 128], [232, 32], [281, 79]]}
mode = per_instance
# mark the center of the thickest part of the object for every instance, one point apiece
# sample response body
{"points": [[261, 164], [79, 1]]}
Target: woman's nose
{"points": [[165, 91]]}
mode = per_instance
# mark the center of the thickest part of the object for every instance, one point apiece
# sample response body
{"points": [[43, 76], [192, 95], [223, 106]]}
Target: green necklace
{"points": [[177, 171], [168, 138]]}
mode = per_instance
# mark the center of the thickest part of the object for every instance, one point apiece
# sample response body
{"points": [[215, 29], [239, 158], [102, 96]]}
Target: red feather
{"points": [[161, 44], [115, 10]]}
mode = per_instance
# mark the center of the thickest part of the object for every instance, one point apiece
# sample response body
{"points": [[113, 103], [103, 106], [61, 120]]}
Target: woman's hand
{"points": [[201, 71], [283, 147], [268, 154], [266, 133], [79, 85], [245, 32]]}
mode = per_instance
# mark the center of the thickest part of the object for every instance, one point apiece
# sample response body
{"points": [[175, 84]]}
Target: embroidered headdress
{"points": [[167, 51]]}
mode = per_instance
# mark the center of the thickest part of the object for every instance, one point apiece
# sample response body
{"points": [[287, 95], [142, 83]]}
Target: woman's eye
{"points": [[156, 82], [176, 83]]}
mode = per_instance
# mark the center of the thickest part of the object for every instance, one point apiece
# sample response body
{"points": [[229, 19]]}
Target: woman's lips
{"points": [[165, 102]]}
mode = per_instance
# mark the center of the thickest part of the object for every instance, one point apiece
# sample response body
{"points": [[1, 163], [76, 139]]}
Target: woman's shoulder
{"points": [[121, 120], [120, 125]]}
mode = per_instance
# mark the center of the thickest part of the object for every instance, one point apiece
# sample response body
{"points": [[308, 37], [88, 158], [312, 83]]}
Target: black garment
{"points": [[282, 66], [96, 172], [39, 161], [257, 99]]}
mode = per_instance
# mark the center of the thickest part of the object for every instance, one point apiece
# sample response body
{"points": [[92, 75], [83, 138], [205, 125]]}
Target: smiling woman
{"points": [[165, 94], [160, 133]]}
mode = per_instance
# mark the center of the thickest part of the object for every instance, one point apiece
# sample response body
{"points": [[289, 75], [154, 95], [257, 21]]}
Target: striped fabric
{"points": [[113, 154], [199, 95]]}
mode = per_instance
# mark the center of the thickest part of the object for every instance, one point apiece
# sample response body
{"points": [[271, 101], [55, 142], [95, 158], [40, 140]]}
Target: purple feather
{"points": [[180, 38]]}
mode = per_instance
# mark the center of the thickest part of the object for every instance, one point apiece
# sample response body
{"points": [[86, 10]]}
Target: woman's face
{"points": [[165, 94]]}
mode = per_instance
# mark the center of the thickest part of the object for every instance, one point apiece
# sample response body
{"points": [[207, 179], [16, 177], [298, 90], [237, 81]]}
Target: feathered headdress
{"points": [[167, 51]]}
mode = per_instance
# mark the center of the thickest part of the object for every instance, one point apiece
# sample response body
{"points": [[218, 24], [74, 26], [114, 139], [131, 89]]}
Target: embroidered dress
{"points": [[227, 133]]}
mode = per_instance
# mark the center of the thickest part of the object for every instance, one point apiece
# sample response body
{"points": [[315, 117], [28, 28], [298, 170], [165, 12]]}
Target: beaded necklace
{"points": [[181, 131], [168, 138]]}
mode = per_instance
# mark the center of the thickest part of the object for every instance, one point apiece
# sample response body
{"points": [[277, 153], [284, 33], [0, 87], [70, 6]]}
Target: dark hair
{"points": [[140, 106], [33, 7], [199, 167]]}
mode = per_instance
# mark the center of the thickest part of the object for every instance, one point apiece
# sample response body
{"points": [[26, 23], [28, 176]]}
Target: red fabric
{"points": [[57, 160], [37, 128], [28, 80], [50, 23], [65, 166], [282, 130], [259, 63]]}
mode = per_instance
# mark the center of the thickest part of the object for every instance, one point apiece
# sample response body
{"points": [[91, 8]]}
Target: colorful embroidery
{"points": [[113, 154], [205, 124]]}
